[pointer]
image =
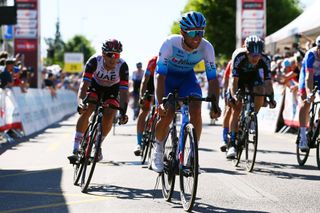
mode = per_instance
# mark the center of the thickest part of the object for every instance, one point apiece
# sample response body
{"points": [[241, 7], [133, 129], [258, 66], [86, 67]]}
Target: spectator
{"points": [[49, 83], [6, 74]]}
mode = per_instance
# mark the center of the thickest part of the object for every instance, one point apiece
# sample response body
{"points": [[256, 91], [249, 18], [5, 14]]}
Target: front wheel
{"points": [[318, 154], [168, 176], [251, 143], [91, 157], [78, 167], [188, 168]]}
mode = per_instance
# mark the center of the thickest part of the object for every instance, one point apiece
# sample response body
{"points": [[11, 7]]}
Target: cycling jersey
{"points": [[177, 65], [94, 69], [173, 58], [248, 74], [310, 63], [137, 78], [150, 72]]}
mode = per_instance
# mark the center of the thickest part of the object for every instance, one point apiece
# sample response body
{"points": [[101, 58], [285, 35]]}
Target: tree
{"points": [[221, 20], [80, 44]]}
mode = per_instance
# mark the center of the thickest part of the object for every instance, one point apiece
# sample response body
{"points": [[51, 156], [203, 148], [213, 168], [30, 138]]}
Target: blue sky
{"points": [[141, 25]]}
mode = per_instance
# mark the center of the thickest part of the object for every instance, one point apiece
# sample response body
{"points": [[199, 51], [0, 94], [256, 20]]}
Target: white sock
{"points": [[159, 146]]}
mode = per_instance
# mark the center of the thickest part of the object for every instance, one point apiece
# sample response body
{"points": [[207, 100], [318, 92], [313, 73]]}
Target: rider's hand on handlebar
{"points": [[82, 107], [310, 98], [123, 119], [214, 114], [272, 104], [162, 110]]}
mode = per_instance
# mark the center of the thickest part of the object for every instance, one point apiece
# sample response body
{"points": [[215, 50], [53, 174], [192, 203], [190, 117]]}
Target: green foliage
{"points": [[221, 20], [80, 44]]}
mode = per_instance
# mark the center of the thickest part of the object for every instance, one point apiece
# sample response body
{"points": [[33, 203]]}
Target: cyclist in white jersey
{"points": [[105, 78], [177, 58]]}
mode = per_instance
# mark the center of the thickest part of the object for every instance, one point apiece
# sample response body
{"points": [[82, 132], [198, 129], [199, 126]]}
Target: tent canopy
{"points": [[308, 24]]}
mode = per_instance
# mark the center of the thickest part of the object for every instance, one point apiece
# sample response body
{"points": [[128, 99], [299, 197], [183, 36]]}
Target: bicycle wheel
{"points": [[188, 171], [146, 140], [251, 143], [91, 157], [168, 175], [78, 167], [318, 154], [302, 157], [239, 146]]}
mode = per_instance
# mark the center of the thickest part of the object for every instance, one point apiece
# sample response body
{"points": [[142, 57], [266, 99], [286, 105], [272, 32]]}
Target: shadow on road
{"points": [[33, 191]]}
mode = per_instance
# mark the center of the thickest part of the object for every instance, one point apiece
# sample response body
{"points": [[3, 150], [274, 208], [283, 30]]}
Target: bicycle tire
{"points": [[302, 157], [251, 143], [168, 175], [240, 143], [91, 157], [146, 140], [318, 154], [189, 170], [78, 167]]}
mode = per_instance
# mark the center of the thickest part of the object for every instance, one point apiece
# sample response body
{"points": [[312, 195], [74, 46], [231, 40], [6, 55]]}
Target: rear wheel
{"points": [[251, 143], [318, 154], [169, 172], [91, 157], [78, 167], [189, 169], [240, 143], [147, 134]]}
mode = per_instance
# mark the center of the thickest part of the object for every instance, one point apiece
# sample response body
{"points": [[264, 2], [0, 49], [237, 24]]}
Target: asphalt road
{"points": [[35, 176]]}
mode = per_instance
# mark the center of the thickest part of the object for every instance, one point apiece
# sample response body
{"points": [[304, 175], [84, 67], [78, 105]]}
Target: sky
{"points": [[140, 25]]}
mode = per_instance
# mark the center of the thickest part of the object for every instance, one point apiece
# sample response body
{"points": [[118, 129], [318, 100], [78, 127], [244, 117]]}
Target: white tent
{"points": [[307, 24]]}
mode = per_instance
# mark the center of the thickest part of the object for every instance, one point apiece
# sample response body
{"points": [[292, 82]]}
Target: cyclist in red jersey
{"points": [[105, 78], [227, 109], [147, 84]]}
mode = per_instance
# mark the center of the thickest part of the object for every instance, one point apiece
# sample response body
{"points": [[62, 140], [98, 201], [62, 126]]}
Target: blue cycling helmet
{"points": [[191, 20], [254, 44], [318, 41]]}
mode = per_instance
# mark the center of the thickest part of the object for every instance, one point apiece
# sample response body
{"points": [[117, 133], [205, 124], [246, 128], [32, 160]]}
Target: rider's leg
{"points": [[81, 127], [140, 126], [162, 128], [195, 117], [303, 120], [234, 120], [258, 100], [225, 126]]}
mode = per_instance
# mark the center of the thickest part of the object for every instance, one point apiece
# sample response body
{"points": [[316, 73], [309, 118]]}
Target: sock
{"points": [[225, 134], [233, 138], [77, 139], [159, 146], [303, 133], [139, 138]]}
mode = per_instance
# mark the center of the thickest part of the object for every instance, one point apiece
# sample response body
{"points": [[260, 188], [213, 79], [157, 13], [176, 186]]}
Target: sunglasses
{"points": [[194, 33], [254, 54], [112, 55]]}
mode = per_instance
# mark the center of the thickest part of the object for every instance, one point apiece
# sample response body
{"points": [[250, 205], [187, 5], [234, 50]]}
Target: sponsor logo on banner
{"points": [[26, 45]]}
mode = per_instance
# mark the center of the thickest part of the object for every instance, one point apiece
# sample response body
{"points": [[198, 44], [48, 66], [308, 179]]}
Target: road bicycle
{"points": [[247, 141], [181, 153], [148, 135], [90, 147], [312, 134]]}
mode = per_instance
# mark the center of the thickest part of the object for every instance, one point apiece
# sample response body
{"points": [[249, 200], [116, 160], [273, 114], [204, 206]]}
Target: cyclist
{"points": [[227, 109], [250, 68], [146, 85], [105, 77], [177, 58], [309, 77], [136, 82]]}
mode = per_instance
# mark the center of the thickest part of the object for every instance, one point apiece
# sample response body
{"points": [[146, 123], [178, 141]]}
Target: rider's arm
{"points": [[211, 72], [90, 68], [309, 71], [144, 83], [160, 87], [267, 75], [123, 88]]}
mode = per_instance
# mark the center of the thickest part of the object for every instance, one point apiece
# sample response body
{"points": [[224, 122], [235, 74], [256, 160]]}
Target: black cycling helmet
{"points": [[139, 65], [112, 45], [254, 44]]}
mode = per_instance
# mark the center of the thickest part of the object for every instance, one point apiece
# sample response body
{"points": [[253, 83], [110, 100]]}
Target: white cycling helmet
{"points": [[318, 41]]}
